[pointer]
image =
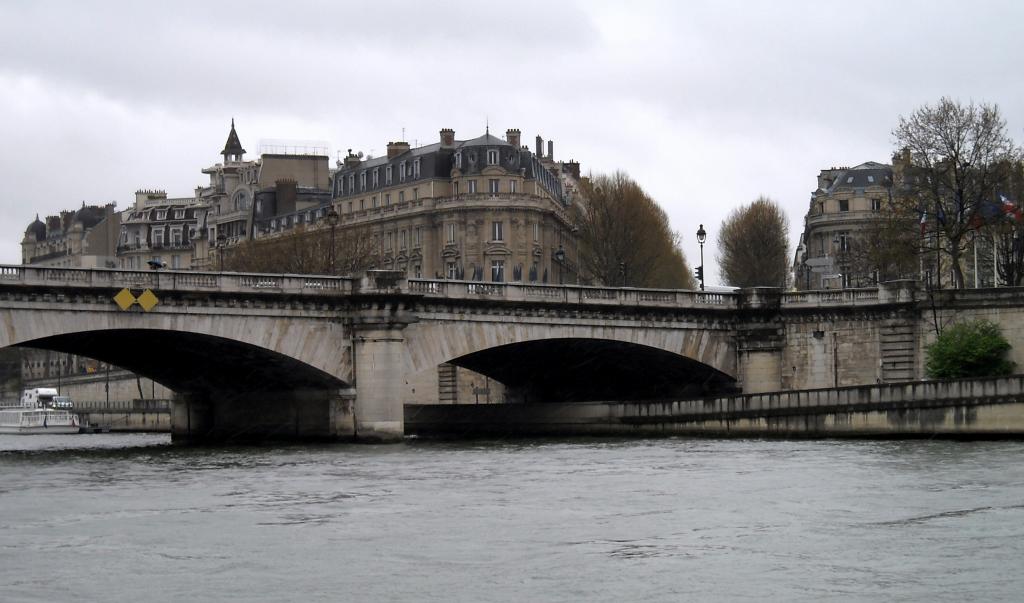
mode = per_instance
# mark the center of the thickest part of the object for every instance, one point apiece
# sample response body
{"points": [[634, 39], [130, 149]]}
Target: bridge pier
{"points": [[301, 415], [378, 357]]}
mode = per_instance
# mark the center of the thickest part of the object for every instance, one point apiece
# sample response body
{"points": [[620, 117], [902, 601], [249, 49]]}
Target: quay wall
{"points": [[963, 408]]}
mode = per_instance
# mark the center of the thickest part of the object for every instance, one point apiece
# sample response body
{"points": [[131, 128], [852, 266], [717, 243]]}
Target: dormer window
{"points": [[179, 214], [376, 178], [387, 175], [362, 180], [416, 168], [492, 156], [401, 172], [161, 214], [458, 160], [351, 183]]}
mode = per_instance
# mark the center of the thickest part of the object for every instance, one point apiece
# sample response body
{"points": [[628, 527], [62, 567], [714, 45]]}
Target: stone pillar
{"points": [[191, 418], [379, 369]]}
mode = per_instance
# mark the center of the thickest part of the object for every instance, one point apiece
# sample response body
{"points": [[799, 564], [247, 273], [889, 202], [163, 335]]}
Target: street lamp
{"points": [[702, 236], [560, 257], [221, 241], [332, 220]]}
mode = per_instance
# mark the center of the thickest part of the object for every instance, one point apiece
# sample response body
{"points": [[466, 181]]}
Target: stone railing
{"points": [[571, 294], [167, 280]]}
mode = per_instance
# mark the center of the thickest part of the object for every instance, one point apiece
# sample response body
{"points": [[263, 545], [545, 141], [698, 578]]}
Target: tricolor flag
{"points": [[1010, 208]]}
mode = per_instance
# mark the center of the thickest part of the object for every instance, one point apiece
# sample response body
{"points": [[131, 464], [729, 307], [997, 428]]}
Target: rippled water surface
{"points": [[130, 518]]}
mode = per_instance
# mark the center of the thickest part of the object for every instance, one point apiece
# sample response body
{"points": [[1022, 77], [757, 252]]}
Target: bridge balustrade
{"points": [[570, 294], [177, 280]]}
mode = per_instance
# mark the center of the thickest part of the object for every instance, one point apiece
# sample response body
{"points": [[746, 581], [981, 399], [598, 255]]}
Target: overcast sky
{"points": [[706, 104]]}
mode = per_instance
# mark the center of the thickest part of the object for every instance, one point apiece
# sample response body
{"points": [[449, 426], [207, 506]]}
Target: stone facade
{"points": [[484, 209], [83, 238], [846, 202], [158, 232]]}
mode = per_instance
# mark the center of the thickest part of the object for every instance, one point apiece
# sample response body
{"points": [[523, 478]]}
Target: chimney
{"points": [[397, 148], [551, 150], [573, 167], [447, 137], [287, 193], [540, 147], [512, 137], [351, 160]]}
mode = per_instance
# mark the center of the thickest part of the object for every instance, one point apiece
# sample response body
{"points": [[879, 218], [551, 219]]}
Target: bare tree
{"points": [[753, 245], [887, 248], [952, 162], [625, 238], [305, 252]]}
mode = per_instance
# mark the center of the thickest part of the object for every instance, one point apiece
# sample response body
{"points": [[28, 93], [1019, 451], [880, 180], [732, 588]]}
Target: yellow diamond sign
{"points": [[148, 300], [124, 299]]}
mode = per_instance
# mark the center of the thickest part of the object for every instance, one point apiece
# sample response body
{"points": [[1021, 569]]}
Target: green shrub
{"points": [[969, 349]]}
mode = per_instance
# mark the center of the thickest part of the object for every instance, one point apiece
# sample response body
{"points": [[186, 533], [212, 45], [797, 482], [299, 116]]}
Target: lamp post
{"points": [[560, 257], [702, 236], [221, 241], [332, 220]]}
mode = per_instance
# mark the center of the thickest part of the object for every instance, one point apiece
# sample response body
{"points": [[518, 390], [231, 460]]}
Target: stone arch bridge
{"points": [[254, 356]]}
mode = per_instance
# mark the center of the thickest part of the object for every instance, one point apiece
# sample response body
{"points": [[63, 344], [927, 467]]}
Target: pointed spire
{"points": [[232, 147]]}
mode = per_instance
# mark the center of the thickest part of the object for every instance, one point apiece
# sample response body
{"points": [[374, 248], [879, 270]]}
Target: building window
{"points": [[498, 271], [455, 188], [362, 204], [492, 157], [451, 233], [458, 160], [402, 240], [492, 185], [452, 270], [401, 196], [415, 193], [876, 205], [349, 207], [176, 236], [844, 205], [416, 168], [472, 187], [401, 172], [388, 237], [387, 175], [417, 271], [158, 237], [351, 183], [512, 186], [387, 199], [179, 214], [175, 261], [496, 231], [373, 201], [417, 237], [536, 232]]}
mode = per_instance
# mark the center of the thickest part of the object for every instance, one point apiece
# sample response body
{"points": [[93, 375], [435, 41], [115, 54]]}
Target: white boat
{"points": [[41, 411]]}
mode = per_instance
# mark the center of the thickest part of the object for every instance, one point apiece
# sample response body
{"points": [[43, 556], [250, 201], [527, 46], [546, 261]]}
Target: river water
{"points": [[111, 517]]}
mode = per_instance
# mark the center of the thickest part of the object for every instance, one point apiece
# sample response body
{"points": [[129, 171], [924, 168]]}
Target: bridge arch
{"points": [[192, 363], [539, 361]]}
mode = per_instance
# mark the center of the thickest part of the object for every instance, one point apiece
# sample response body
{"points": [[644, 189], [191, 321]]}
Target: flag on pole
{"points": [[1010, 208]]}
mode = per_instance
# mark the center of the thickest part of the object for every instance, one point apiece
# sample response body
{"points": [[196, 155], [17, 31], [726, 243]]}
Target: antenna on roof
{"points": [[487, 125], [403, 134]]}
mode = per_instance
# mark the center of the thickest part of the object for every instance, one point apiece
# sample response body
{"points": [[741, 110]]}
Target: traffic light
{"points": [[699, 273]]}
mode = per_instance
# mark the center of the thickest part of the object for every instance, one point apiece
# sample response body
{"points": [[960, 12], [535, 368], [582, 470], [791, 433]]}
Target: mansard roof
{"points": [[867, 174]]}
